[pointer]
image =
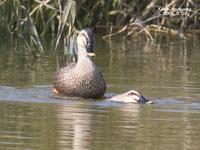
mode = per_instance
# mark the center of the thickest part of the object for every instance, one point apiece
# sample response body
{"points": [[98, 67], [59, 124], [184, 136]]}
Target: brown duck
{"points": [[81, 79]]}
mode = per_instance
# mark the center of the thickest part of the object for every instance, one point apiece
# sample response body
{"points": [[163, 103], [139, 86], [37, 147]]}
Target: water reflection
{"points": [[152, 66], [74, 125], [88, 125], [24, 126], [83, 124], [166, 71]]}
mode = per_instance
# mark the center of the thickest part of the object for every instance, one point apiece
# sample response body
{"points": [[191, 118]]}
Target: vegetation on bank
{"points": [[32, 21]]}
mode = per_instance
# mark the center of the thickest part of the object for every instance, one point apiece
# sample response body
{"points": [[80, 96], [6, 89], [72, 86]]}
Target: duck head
{"points": [[85, 41], [131, 96]]}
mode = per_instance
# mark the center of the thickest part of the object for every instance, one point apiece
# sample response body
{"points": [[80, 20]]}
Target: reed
{"points": [[32, 21]]}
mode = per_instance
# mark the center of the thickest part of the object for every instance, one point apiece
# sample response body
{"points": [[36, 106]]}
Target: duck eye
{"points": [[83, 34]]}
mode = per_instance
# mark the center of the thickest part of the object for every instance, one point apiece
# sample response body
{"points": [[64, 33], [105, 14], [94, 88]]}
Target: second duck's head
{"points": [[85, 42]]}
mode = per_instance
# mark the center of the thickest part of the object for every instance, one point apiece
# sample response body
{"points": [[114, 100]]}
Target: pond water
{"points": [[166, 71]]}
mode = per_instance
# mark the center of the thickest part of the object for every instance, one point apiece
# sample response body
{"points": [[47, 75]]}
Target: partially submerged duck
{"points": [[81, 79], [131, 96]]}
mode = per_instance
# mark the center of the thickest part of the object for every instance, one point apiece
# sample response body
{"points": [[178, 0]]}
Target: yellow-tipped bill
{"points": [[91, 54]]}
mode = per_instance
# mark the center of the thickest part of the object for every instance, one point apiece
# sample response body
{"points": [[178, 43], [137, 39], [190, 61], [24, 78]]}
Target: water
{"points": [[166, 72]]}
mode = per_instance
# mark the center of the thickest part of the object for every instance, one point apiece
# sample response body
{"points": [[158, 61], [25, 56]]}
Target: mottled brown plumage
{"points": [[81, 79]]}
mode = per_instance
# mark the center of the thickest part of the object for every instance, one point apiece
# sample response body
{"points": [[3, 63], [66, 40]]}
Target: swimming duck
{"points": [[131, 96], [81, 79]]}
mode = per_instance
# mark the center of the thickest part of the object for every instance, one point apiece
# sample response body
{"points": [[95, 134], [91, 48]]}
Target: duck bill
{"points": [[149, 102], [144, 100], [91, 54]]}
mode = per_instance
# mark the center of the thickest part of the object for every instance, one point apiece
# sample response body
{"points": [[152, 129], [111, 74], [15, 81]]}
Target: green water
{"points": [[166, 71]]}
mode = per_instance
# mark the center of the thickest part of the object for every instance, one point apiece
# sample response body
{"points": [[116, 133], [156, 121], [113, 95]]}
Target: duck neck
{"points": [[83, 59], [82, 52]]}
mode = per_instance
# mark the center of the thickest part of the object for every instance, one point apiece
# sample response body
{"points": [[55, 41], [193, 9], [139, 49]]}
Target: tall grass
{"points": [[32, 21]]}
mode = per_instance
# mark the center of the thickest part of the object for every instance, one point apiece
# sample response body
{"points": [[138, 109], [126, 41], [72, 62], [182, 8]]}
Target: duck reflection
{"points": [[74, 124], [84, 124]]}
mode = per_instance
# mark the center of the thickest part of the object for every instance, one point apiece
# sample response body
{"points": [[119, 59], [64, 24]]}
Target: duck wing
{"points": [[60, 73]]}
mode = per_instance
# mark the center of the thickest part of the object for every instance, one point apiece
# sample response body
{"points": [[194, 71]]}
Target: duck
{"points": [[131, 96], [81, 78]]}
